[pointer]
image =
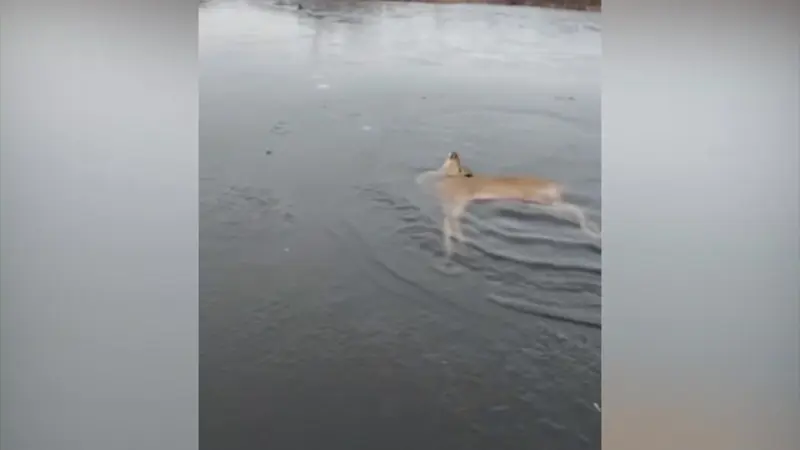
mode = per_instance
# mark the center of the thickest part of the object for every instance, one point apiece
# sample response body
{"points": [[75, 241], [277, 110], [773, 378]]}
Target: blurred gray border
{"points": [[98, 225], [700, 213]]}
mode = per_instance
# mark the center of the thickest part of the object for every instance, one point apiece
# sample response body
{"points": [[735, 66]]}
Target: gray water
{"points": [[330, 319]]}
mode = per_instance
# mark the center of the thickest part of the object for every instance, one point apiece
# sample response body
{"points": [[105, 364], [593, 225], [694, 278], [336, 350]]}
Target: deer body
{"points": [[457, 187]]}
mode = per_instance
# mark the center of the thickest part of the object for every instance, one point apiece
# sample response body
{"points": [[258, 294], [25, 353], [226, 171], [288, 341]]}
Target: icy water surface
{"points": [[329, 316]]}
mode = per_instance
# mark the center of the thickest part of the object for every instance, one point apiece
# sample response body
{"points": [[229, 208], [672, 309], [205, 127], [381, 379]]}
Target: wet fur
{"points": [[458, 186]]}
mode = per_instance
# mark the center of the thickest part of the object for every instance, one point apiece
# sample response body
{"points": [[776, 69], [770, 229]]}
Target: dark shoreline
{"points": [[577, 5], [574, 5]]}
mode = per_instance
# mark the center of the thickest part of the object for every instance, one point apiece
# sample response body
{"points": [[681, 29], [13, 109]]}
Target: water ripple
{"points": [[519, 282]]}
